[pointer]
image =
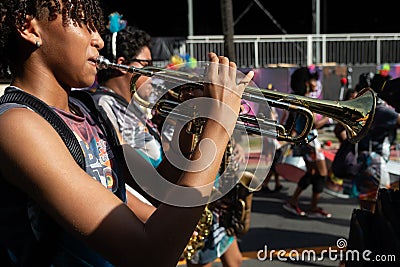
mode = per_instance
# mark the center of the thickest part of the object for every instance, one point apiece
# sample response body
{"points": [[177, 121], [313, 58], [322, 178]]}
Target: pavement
{"points": [[273, 228]]}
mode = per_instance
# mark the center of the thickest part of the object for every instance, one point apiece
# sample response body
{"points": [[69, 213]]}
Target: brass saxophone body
{"points": [[198, 239], [235, 207]]}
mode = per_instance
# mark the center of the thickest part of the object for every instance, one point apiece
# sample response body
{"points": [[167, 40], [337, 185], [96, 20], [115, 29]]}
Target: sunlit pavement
{"points": [[276, 229]]}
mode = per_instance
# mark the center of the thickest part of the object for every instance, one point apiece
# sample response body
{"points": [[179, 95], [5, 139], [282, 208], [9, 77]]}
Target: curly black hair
{"points": [[14, 12], [129, 43]]}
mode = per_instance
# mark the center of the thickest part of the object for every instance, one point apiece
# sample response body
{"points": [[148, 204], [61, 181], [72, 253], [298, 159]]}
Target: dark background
{"points": [[170, 18]]}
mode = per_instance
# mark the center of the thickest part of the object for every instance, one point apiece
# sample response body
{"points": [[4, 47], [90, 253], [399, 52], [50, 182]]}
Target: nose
{"points": [[97, 41]]}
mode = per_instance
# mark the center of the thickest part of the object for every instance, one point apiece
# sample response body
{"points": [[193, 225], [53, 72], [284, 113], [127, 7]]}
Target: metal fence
{"points": [[279, 50]]}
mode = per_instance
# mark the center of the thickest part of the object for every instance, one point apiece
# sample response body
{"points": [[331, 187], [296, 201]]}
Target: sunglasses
{"points": [[143, 62]]}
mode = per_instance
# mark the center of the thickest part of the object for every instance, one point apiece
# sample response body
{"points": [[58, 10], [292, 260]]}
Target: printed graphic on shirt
{"points": [[98, 154]]}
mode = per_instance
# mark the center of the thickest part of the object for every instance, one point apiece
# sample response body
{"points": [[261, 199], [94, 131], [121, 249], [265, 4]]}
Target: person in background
{"points": [[382, 75], [127, 45], [130, 46], [364, 163], [44, 191], [373, 151], [303, 82], [133, 48], [340, 181], [340, 130], [377, 82]]}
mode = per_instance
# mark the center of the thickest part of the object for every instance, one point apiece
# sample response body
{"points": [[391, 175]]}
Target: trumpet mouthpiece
{"points": [[102, 63]]}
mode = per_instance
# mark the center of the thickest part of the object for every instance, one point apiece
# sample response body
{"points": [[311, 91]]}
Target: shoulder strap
{"points": [[18, 96]]}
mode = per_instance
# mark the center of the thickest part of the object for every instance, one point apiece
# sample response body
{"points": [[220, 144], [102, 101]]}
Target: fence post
{"points": [[309, 50], [378, 52], [323, 49], [256, 62]]}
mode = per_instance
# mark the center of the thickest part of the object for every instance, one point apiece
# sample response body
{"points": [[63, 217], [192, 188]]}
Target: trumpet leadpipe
{"points": [[103, 63]]}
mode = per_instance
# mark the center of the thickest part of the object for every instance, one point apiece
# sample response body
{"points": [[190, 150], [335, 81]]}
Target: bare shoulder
{"points": [[19, 118], [22, 126], [27, 140]]}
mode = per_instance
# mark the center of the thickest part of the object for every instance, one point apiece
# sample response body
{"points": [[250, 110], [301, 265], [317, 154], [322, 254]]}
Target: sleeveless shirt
{"points": [[27, 232]]}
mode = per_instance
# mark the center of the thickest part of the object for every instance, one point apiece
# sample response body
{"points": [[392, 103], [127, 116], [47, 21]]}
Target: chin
{"points": [[85, 84]]}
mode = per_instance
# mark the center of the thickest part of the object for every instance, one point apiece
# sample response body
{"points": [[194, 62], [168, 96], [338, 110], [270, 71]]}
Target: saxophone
{"points": [[198, 238], [234, 208], [203, 227], [237, 219]]}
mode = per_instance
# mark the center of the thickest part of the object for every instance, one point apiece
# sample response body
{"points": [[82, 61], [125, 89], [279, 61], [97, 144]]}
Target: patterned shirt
{"points": [[133, 127]]}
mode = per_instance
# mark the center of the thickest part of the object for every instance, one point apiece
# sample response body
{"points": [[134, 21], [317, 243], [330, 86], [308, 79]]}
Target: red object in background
{"points": [[329, 155], [328, 143], [384, 73], [343, 81]]}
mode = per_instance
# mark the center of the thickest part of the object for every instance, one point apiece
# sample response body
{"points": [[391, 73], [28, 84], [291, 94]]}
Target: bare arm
{"points": [[134, 203], [321, 122]]}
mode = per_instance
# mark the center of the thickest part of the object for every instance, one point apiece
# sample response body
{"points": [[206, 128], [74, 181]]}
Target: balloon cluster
{"points": [[179, 61]]}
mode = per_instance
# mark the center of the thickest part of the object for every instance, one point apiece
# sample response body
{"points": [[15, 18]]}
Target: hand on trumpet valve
{"points": [[221, 81]]}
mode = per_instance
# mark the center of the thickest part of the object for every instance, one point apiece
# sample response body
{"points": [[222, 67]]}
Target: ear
{"points": [[121, 60], [31, 33]]}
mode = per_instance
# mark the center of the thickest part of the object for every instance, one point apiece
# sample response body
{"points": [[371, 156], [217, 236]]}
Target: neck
{"points": [[36, 79], [51, 93]]}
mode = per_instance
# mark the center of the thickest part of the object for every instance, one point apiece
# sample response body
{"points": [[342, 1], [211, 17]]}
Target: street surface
{"points": [[274, 228]]}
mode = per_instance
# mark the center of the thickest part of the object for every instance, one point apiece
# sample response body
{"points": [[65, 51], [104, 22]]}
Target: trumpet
{"points": [[356, 115]]}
